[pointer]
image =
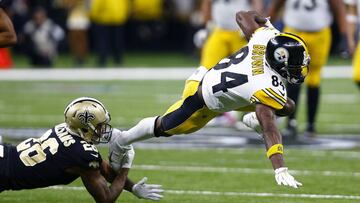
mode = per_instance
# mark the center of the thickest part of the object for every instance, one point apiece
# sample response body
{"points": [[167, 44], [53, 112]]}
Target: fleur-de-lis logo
{"points": [[86, 117]]}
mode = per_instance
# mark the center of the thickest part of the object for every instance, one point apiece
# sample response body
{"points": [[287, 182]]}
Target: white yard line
{"points": [[141, 73], [239, 194], [241, 170]]}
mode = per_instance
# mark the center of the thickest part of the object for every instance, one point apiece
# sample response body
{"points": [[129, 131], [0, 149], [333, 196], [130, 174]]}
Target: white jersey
{"points": [[223, 12], [244, 79], [307, 15]]}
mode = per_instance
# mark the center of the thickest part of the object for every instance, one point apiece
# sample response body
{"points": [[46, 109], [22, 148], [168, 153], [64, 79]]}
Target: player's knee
{"points": [[288, 109], [159, 130]]}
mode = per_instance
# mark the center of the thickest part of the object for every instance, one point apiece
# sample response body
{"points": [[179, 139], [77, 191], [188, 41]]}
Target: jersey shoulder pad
{"points": [[269, 97], [86, 155]]}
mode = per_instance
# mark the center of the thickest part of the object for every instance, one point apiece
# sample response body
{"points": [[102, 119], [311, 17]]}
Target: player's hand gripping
{"points": [[147, 191], [121, 156], [283, 177]]}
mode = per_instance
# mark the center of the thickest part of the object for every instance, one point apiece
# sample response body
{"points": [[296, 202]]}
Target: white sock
{"points": [[142, 131]]}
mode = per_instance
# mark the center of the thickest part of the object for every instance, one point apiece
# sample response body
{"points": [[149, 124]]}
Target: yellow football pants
{"points": [[188, 114], [220, 44], [356, 64]]}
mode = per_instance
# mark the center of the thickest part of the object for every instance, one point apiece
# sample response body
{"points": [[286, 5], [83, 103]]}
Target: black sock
{"points": [[293, 93], [313, 95]]}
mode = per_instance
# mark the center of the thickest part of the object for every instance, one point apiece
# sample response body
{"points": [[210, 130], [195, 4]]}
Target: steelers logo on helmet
{"points": [[281, 54]]}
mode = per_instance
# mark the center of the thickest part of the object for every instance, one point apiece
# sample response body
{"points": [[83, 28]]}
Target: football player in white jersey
{"points": [[249, 80], [353, 18], [311, 20]]}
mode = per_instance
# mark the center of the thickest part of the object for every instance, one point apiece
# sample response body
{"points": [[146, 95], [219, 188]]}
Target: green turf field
{"points": [[41, 104], [227, 176]]}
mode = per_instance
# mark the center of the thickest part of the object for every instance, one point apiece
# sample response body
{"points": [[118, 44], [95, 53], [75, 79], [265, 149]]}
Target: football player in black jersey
{"points": [[67, 151], [7, 32]]}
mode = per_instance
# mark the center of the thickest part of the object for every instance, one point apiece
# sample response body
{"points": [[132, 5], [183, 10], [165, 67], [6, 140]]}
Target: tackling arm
{"points": [[110, 174], [140, 189], [7, 32], [97, 186], [249, 21]]}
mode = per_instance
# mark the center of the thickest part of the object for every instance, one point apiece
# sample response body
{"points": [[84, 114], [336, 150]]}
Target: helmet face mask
{"points": [[88, 118], [287, 54]]}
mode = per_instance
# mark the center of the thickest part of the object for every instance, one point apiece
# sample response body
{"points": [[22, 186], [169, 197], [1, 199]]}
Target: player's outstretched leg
{"points": [[142, 131]]}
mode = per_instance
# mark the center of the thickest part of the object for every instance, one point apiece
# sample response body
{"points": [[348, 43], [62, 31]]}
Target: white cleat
{"points": [[251, 121]]}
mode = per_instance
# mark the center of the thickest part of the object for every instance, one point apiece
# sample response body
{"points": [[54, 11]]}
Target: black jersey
{"points": [[42, 162]]}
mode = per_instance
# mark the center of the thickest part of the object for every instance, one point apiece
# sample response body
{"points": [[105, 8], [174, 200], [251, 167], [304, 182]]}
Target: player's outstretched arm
{"points": [[140, 189], [273, 142], [7, 32], [249, 21], [97, 186]]}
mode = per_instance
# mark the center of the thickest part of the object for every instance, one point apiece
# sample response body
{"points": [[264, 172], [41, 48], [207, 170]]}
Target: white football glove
{"points": [[121, 156], [200, 37], [251, 121], [147, 191], [283, 177]]}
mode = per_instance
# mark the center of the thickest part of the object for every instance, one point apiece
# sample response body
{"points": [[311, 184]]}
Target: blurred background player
{"points": [[67, 151], [108, 19], [42, 36], [222, 37], [353, 11], [78, 23], [7, 33], [311, 20]]}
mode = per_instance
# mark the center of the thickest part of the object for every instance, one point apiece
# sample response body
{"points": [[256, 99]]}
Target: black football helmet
{"points": [[288, 55]]}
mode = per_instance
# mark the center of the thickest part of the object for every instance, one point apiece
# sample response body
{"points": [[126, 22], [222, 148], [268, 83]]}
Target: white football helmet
{"points": [[89, 119]]}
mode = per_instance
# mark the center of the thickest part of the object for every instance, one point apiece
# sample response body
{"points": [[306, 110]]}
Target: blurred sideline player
{"points": [[249, 80], [353, 18], [67, 151], [7, 32], [311, 20], [225, 37]]}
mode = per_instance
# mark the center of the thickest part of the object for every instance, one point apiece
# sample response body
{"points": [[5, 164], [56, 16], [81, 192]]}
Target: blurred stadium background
{"points": [[138, 69]]}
